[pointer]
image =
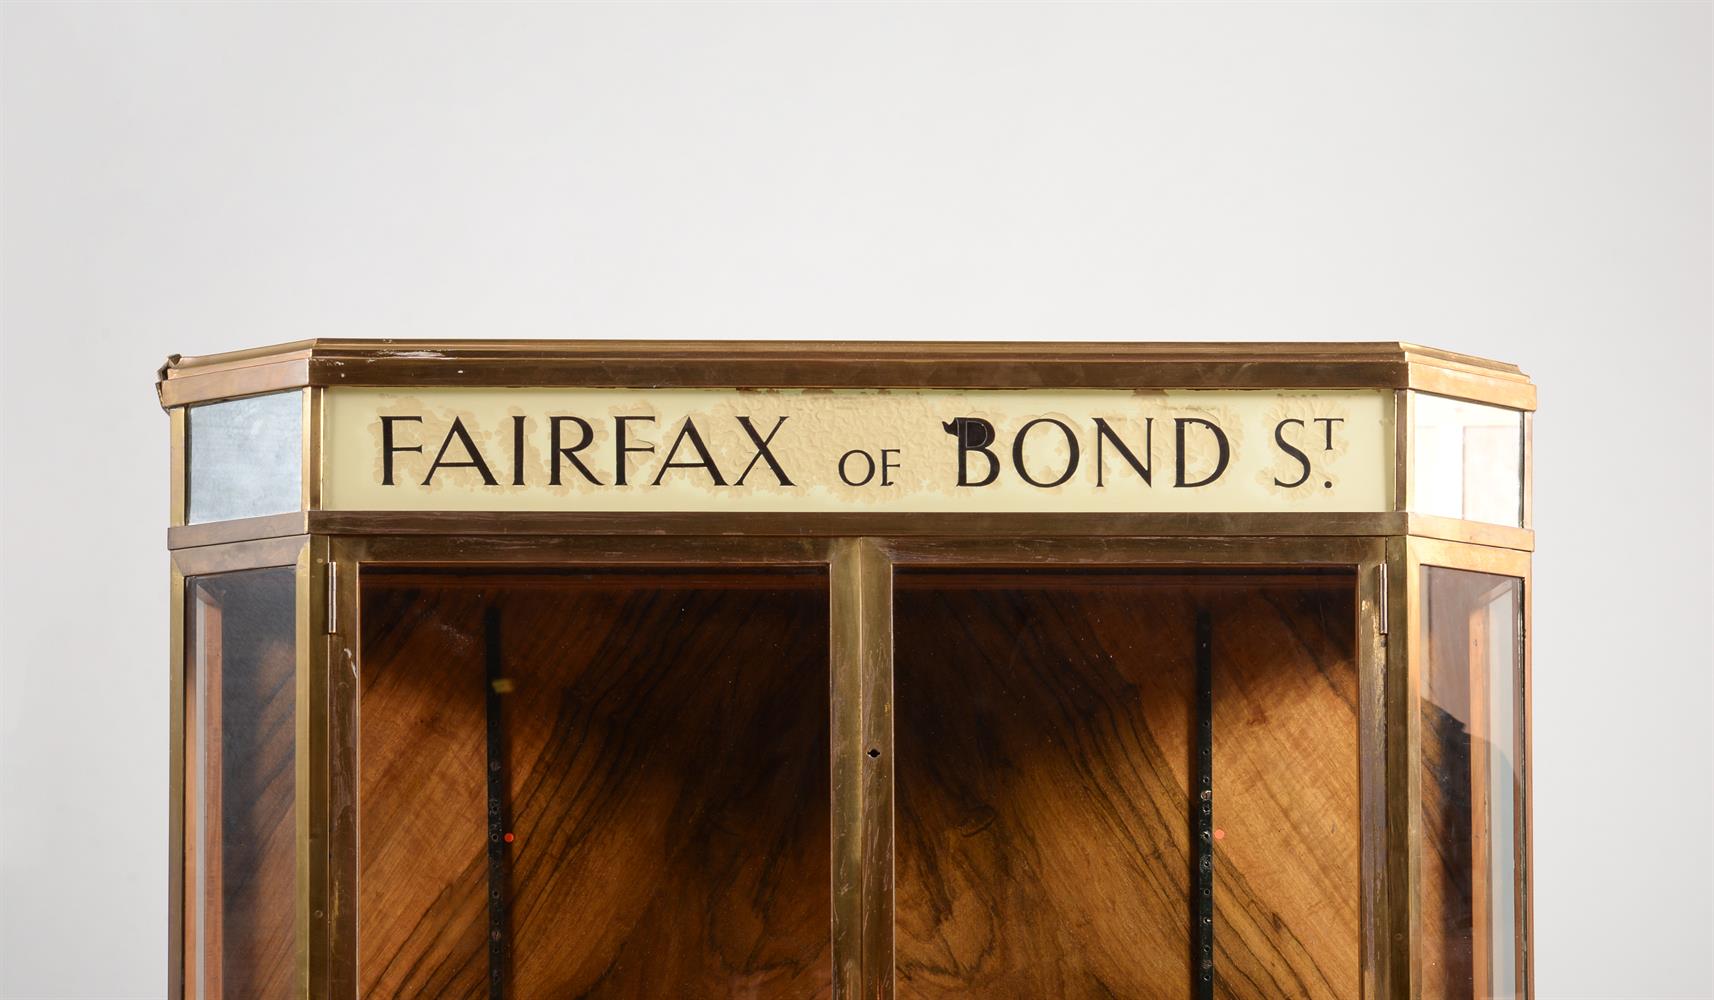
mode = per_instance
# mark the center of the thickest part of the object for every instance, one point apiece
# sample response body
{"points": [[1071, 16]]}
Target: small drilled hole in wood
{"points": [[873, 753]]}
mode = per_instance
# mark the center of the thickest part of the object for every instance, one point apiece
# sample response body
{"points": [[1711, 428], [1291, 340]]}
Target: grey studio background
{"points": [[1530, 182]]}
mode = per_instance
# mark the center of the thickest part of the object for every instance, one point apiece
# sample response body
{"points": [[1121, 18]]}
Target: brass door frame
{"points": [[860, 678], [1407, 720], [187, 564]]}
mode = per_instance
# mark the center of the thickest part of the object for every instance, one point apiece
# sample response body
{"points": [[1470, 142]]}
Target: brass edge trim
{"points": [[187, 536], [179, 365], [304, 788], [1372, 630], [320, 580], [359, 352], [769, 525], [1472, 556], [309, 470], [178, 466], [343, 751], [843, 365], [876, 760], [1472, 532], [1529, 471], [1526, 878], [256, 380], [592, 550], [845, 525], [1275, 551], [1052, 372], [176, 790], [845, 699], [1479, 388], [262, 553], [1404, 455], [1404, 775]]}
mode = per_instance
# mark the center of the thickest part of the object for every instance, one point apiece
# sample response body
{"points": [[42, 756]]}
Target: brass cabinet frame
{"points": [[332, 549]]}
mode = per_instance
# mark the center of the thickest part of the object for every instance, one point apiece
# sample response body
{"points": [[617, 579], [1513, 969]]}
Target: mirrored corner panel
{"points": [[244, 457], [1467, 460]]}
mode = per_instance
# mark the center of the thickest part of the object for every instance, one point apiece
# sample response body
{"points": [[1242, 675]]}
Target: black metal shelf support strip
{"points": [[499, 861], [1202, 812]]}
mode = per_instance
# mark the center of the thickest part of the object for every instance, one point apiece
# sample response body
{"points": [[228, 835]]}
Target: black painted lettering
{"points": [[388, 448], [517, 451], [1329, 421], [762, 452], [1225, 456], [1018, 452], [1105, 433], [704, 459], [974, 435], [1293, 451], [868, 472], [585, 435], [889, 463], [475, 457], [624, 449]]}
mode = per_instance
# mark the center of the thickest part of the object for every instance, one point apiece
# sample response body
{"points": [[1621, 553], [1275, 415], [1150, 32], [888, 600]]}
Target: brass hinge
{"points": [[1383, 601], [332, 597]]}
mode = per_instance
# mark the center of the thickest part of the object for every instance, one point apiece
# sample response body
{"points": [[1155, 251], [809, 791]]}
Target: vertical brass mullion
{"points": [[311, 767], [342, 666], [310, 485], [1404, 772], [1523, 714], [178, 466], [1373, 629], [861, 718], [180, 788], [1404, 461], [1526, 517]]}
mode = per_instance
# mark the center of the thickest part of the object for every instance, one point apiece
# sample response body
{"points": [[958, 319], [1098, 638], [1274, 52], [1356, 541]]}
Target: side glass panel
{"points": [[1472, 785], [1467, 460], [657, 742], [245, 457], [1046, 754], [240, 752]]}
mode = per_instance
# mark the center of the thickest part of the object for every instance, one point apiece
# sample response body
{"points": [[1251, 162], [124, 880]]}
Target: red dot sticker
{"points": [[507, 838], [1218, 835]]}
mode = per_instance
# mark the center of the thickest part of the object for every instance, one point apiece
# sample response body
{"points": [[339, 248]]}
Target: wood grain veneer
{"points": [[1044, 755], [669, 785]]}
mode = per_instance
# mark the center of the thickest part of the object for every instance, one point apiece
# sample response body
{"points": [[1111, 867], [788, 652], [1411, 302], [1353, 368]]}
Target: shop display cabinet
{"points": [[707, 670]]}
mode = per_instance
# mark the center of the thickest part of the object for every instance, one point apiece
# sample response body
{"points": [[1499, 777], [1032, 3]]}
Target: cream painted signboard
{"points": [[809, 450]]}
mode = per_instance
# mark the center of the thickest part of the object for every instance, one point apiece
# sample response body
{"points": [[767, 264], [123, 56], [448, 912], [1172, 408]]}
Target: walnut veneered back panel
{"points": [[1045, 731], [667, 742], [1287, 828]]}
